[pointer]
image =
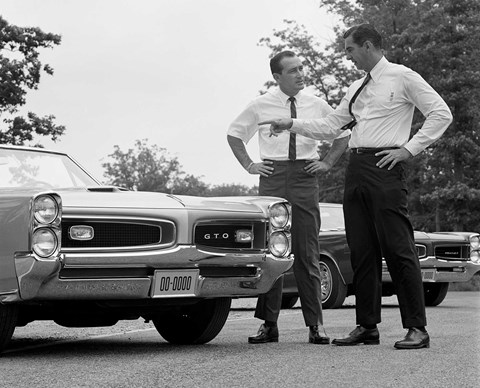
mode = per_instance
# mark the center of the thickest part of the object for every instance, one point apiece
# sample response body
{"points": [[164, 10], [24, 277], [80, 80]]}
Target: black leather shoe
{"points": [[415, 339], [358, 336], [315, 337], [265, 334]]}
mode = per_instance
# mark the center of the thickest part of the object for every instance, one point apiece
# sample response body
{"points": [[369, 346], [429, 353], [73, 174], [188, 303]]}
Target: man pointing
{"points": [[379, 110]]}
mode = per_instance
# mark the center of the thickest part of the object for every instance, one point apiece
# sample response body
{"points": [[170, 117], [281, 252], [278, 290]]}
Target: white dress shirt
{"points": [[384, 111], [272, 105]]}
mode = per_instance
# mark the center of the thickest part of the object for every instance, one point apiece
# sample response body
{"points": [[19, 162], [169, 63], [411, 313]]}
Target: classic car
{"points": [[82, 254], [444, 258]]}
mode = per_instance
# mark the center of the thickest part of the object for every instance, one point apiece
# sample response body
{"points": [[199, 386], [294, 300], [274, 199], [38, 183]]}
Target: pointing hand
{"points": [[278, 125]]}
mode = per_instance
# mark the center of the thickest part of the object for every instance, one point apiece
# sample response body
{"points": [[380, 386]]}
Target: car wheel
{"points": [[334, 291], [8, 321], [194, 324], [435, 293], [288, 301]]}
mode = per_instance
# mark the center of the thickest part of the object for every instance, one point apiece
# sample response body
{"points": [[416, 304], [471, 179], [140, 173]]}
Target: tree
{"points": [[150, 168], [227, 190], [20, 70], [439, 40], [143, 168]]}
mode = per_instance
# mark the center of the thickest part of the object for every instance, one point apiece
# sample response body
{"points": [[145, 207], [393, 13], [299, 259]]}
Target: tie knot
{"points": [[291, 99]]}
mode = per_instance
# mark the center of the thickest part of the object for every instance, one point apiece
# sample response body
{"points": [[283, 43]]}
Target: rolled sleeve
{"points": [[245, 125]]}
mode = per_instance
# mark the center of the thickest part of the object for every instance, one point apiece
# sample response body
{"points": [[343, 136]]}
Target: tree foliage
{"points": [[150, 168], [439, 40], [20, 71]]}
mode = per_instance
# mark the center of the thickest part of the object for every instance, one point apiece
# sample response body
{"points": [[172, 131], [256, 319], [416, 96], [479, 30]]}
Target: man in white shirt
{"points": [[379, 110], [288, 168]]}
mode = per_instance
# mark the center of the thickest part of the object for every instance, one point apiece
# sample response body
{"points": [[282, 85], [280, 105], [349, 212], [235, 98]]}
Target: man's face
{"points": [[290, 80], [357, 54]]}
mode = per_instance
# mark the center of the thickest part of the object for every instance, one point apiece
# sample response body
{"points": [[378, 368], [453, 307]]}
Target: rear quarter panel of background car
{"points": [[334, 245]]}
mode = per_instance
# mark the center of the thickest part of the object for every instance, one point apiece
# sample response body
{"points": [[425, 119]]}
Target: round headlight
{"points": [[475, 256], [279, 244], [45, 209], [44, 242], [278, 215], [475, 241]]}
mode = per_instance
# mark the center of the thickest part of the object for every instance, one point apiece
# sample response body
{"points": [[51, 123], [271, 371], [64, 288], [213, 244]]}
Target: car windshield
{"points": [[36, 169], [331, 218]]}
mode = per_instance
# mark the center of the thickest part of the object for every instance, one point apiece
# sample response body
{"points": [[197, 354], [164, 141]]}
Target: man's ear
{"points": [[275, 76]]}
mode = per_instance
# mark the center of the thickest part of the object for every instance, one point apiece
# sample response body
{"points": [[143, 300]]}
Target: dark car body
{"points": [[82, 254], [444, 258]]}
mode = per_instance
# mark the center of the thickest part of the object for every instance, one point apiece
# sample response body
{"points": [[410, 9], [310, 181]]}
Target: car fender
{"points": [[326, 255]]}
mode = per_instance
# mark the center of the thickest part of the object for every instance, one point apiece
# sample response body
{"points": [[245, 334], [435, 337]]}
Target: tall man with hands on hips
{"points": [[379, 110], [288, 168]]}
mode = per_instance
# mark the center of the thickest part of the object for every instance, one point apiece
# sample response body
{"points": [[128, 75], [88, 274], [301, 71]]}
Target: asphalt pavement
{"points": [[132, 353]]}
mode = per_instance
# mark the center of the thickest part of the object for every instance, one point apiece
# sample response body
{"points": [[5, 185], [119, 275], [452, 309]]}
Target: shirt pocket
{"points": [[385, 97]]}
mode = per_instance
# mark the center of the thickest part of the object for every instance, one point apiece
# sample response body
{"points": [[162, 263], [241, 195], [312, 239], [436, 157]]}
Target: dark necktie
{"points": [[352, 123], [292, 145]]}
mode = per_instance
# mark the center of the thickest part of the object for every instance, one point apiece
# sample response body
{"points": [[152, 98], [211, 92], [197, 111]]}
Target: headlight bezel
{"points": [[46, 209], [475, 248], [280, 215], [280, 222], [285, 239], [42, 236], [45, 230], [475, 256], [474, 242]]}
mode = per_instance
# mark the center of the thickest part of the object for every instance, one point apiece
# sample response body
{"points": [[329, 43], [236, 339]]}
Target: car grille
{"points": [[119, 234], [452, 252], [221, 235]]}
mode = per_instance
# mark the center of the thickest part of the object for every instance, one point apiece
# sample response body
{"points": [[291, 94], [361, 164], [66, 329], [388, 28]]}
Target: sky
{"points": [[175, 72]]}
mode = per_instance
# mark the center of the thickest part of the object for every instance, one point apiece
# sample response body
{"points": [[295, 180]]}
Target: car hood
{"points": [[443, 236], [151, 200]]}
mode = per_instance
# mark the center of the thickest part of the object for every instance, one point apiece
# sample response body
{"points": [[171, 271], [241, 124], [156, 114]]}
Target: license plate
{"points": [[428, 275], [174, 283]]}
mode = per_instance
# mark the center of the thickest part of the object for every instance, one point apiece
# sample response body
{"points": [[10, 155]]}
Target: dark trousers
{"points": [[377, 223], [290, 181]]}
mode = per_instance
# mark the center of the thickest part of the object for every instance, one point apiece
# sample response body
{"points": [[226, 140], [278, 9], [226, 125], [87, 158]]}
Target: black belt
{"points": [[367, 150], [285, 162]]}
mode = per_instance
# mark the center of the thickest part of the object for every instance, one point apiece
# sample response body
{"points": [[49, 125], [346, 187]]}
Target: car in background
{"points": [[444, 258], [82, 254]]}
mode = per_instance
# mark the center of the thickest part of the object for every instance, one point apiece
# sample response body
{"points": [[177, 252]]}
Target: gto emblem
{"points": [[216, 236]]}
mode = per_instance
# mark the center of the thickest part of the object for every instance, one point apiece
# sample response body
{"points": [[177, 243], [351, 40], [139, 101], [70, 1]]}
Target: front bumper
{"points": [[441, 271], [42, 280]]}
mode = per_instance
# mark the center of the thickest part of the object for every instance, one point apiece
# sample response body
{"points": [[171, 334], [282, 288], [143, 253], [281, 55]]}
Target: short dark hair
{"points": [[362, 33], [275, 65]]}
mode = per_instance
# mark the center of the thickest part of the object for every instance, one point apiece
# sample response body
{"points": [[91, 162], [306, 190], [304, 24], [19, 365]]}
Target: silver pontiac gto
{"points": [[82, 254]]}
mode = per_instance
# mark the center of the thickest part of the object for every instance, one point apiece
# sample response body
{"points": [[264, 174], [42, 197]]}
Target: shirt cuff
{"points": [[414, 149]]}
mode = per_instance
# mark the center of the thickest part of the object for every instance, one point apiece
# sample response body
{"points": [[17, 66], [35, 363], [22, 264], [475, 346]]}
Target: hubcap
{"points": [[326, 277]]}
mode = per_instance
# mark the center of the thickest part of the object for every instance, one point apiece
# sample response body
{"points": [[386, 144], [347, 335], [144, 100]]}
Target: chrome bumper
{"points": [[39, 279], [441, 271]]}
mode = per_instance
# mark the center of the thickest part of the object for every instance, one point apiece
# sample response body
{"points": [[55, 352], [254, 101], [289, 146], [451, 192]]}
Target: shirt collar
{"points": [[284, 98], [379, 68]]}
